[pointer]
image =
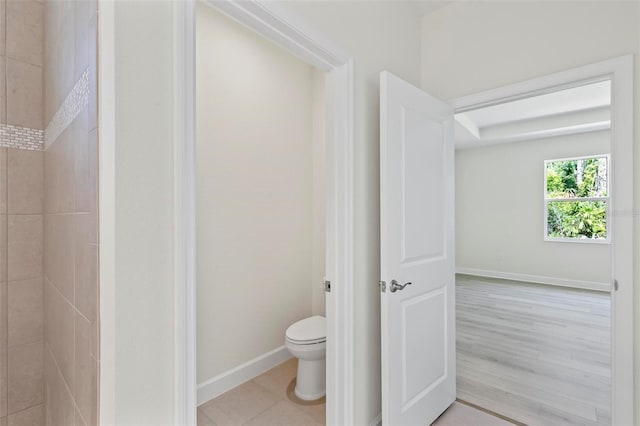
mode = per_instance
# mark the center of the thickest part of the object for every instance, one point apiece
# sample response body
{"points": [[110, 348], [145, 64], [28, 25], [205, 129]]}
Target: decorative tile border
{"points": [[21, 137], [37, 140], [76, 100]]}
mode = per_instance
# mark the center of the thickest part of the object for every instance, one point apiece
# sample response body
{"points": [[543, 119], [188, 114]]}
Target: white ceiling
{"points": [[425, 7], [574, 99], [523, 116]]}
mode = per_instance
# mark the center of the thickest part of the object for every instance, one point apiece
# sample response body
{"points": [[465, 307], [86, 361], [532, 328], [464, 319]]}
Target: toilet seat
{"points": [[308, 331], [306, 342]]}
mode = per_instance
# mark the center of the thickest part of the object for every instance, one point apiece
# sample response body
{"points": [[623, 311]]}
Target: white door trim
{"points": [[184, 227], [287, 30], [620, 71]]}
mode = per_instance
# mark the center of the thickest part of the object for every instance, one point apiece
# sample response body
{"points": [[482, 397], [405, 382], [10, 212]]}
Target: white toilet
{"points": [[306, 340]]}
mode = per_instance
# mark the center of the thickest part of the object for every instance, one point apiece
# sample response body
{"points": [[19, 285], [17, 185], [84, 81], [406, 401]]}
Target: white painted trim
{"points": [[620, 72], [470, 126], [536, 279], [230, 379], [340, 231], [185, 330], [287, 30], [538, 134], [106, 205]]}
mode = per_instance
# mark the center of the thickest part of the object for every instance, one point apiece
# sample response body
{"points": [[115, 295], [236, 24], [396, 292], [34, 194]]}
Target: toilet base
{"points": [[311, 380]]}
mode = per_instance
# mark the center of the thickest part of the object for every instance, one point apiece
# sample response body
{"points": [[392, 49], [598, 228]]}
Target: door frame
{"points": [[620, 71], [290, 32]]}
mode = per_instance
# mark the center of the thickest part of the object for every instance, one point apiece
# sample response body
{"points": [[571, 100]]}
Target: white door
{"points": [[417, 253]]}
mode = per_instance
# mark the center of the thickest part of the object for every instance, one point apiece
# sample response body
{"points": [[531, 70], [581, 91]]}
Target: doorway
{"points": [[533, 256], [260, 198], [271, 23], [618, 73], [414, 124]]}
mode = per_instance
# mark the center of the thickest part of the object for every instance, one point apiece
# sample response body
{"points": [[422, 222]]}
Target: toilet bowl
{"points": [[306, 340]]}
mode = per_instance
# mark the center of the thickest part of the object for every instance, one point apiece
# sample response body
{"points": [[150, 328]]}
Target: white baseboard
{"points": [[230, 379], [537, 279], [377, 421]]}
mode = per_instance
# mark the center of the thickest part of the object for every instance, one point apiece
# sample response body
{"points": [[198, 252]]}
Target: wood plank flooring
{"points": [[537, 354]]}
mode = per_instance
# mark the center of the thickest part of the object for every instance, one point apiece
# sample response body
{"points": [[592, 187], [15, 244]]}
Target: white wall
{"points": [[468, 47], [136, 215], [379, 36], [500, 211], [256, 195]]}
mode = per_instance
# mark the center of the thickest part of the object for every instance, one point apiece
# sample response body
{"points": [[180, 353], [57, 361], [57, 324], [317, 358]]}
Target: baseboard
{"points": [[537, 279], [230, 379], [377, 421]]}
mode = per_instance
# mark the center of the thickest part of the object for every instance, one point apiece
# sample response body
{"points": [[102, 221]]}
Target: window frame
{"points": [[607, 200]]}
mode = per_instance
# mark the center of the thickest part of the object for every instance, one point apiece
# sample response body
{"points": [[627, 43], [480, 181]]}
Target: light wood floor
{"points": [[537, 354]]}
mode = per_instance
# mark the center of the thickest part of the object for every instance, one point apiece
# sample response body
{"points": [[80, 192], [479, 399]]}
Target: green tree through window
{"points": [[577, 198]]}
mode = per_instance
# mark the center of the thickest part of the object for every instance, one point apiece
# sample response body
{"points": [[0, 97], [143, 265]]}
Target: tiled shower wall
{"points": [[21, 208], [48, 262], [71, 355], [21, 395]]}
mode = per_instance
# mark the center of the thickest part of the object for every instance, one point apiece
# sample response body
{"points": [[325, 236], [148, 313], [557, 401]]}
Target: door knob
{"points": [[395, 286]]}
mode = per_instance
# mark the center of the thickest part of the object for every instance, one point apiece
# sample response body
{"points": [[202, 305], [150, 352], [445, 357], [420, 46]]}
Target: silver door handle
{"points": [[395, 286]]}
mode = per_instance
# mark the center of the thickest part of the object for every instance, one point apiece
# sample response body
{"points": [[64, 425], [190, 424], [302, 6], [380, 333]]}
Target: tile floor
{"points": [[463, 415], [267, 400]]}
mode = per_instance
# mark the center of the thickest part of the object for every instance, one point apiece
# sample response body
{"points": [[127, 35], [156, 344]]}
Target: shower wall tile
{"points": [[3, 185], [51, 90], [59, 332], [93, 177], [86, 390], [3, 89], [79, 420], [4, 382], [33, 416], [70, 206], [24, 247], [24, 94], [25, 374], [21, 207], [24, 33], [82, 41], [86, 266], [59, 175], [4, 249], [93, 73], [82, 170], [3, 33], [59, 409], [26, 310], [4, 317], [66, 42], [55, 54], [3, 349], [59, 261], [25, 181]]}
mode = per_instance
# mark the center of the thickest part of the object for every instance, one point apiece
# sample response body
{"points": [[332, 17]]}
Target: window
{"points": [[577, 199]]}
